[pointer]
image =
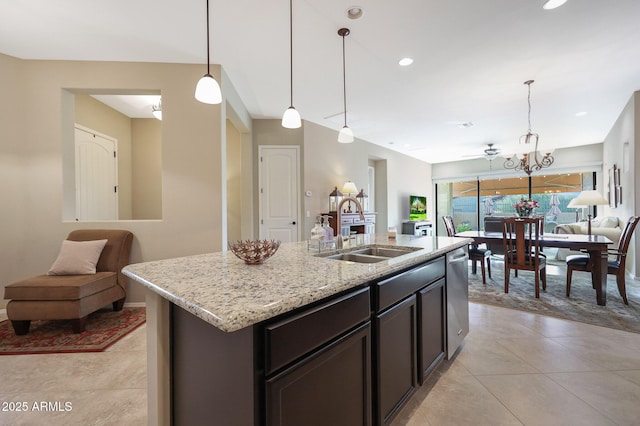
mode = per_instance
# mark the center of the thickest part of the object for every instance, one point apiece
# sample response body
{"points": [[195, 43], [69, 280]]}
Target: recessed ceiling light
{"points": [[405, 62], [581, 114], [552, 4], [355, 12]]}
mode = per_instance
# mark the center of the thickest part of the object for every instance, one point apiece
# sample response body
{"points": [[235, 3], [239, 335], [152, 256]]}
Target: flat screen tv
{"points": [[418, 207]]}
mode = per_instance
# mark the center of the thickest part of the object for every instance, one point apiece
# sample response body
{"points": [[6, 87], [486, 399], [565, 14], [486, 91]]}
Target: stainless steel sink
{"points": [[385, 251], [358, 258], [371, 254]]}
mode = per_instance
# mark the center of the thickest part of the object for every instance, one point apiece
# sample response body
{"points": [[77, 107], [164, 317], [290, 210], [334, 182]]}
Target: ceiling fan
{"points": [[490, 153]]}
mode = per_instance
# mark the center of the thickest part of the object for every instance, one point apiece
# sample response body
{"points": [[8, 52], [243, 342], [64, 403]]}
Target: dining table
{"points": [[595, 245]]}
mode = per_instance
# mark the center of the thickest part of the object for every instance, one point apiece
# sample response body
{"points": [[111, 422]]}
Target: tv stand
{"points": [[419, 228]]}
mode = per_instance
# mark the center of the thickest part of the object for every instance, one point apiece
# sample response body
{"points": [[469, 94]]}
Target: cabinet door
{"points": [[396, 358], [330, 387], [431, 327]]}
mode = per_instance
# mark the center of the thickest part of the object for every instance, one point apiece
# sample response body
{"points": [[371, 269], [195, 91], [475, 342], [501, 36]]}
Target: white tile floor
{"points": [[515, 368]]}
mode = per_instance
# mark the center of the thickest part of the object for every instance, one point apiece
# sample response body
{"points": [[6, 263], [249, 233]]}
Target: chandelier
{"points": [[529, 160]]}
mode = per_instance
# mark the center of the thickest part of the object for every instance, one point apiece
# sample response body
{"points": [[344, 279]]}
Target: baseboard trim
{"points": [[135, 305], [3, 312]]}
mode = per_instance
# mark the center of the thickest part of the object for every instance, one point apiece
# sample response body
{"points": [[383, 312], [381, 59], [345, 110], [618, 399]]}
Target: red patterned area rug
{"points": [[103, 329]]}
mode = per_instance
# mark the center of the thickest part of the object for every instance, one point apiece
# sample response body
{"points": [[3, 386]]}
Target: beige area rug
{"points": [[580, 306]]}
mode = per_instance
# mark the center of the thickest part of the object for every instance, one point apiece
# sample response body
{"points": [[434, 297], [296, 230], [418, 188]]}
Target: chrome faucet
{"points": [[339, 242]]}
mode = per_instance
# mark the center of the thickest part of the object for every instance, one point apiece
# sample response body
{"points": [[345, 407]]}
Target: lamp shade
{"points": [[208, 90], [573, 205], [552, 4], [590, 198], [345, 136], [291, 118], [349, 188]]}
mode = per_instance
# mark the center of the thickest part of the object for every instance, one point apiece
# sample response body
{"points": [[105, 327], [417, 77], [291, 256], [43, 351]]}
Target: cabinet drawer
{"points": [[369, 219], [347, 221], [394, 289], [293, 337]]}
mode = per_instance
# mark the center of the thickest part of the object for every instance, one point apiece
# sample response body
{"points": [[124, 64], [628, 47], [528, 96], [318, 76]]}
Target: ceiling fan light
{"points": [[345, 135], [291, 118], [552, 4], [208, 90]]}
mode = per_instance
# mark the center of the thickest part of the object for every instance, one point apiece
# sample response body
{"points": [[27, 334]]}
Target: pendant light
{"points": [[156, 110], [529, 159], [208, 89], [345, 135], [291, 117]]}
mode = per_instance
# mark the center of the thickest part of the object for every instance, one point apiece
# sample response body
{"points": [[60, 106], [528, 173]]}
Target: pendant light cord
{"points": [[528, 83], [291, 51], [208, 59], [344, 81]]}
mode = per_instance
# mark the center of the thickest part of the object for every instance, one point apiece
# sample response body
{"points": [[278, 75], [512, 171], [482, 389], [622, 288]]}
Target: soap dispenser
{"points": [[327, 228], [318, 234]]}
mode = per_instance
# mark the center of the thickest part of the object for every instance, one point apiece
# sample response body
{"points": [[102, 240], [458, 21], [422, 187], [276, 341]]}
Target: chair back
{"points": [[494, 224], [449, 226], [625, 238], [116, 252], [521, 242]]}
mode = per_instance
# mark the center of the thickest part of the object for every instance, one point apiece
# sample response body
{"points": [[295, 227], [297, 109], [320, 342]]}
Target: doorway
{"points": [[278, 182], [96, 173]]}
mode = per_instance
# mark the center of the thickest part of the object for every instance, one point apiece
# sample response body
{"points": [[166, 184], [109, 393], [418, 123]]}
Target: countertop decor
{"points": [[254, 252]]}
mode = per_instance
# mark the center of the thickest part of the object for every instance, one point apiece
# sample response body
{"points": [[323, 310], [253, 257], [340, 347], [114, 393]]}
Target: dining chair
{"points": [[581, 262], [521, 245], [476, 254]]}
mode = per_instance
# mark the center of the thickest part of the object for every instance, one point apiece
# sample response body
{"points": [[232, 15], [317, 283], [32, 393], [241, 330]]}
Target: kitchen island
{"points": [[300, 338]]}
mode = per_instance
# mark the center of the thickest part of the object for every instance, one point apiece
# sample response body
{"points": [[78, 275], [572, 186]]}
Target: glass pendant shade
{"points": [[552, 4], [345, 135], [156, 110], [291, 118], [208, 90]]}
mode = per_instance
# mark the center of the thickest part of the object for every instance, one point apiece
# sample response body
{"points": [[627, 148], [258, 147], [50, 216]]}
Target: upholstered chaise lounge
{"points": [[73, 297]]}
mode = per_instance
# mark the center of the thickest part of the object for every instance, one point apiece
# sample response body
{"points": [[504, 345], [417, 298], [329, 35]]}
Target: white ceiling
{"points": [[471, 59]]}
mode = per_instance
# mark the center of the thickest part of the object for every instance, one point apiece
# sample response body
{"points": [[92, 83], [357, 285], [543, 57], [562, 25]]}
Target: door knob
{"points": [[293, 223]]}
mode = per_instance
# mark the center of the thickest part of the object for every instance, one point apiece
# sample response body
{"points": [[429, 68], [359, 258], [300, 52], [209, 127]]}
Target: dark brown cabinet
{"points": [[431, 327], [331, 387], [396, 358], [318, 364], [409, 333]]}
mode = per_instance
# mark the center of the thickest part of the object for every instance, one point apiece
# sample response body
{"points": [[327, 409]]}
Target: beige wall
{"points": [[234, 183], [329, 163], [31, 157], [626, 130], [146, 168]]}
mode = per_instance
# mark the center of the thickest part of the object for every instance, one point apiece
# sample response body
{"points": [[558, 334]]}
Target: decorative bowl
{"points": [[254, 252]]}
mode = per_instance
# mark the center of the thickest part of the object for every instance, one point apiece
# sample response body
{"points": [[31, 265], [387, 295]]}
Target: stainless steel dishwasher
{"points": [[457, 298]]}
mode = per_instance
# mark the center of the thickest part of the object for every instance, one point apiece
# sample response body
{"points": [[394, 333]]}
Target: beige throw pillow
{"points": [[77, 257]]}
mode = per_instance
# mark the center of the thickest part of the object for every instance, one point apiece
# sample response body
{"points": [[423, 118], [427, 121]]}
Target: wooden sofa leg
{"points": [[21, 327], [118, 304], [78, 325]]}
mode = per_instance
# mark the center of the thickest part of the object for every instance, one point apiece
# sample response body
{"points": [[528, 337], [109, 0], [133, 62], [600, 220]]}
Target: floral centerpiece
{"points": [[525, 208]]}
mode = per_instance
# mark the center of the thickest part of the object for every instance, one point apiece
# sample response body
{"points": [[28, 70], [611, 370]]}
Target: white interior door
{"points": [[279, 192], [96, 176]]}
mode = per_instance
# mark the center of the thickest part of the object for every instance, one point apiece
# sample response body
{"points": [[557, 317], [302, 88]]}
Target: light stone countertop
{"points": [[229, 294]]}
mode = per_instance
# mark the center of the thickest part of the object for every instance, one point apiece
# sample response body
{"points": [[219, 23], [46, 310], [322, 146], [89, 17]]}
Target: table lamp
{"points": [[348, 190], [572, 205], [588, 199]]}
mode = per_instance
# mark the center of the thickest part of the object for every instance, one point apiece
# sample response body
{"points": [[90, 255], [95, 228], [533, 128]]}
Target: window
{"points": [[469, 202]]}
